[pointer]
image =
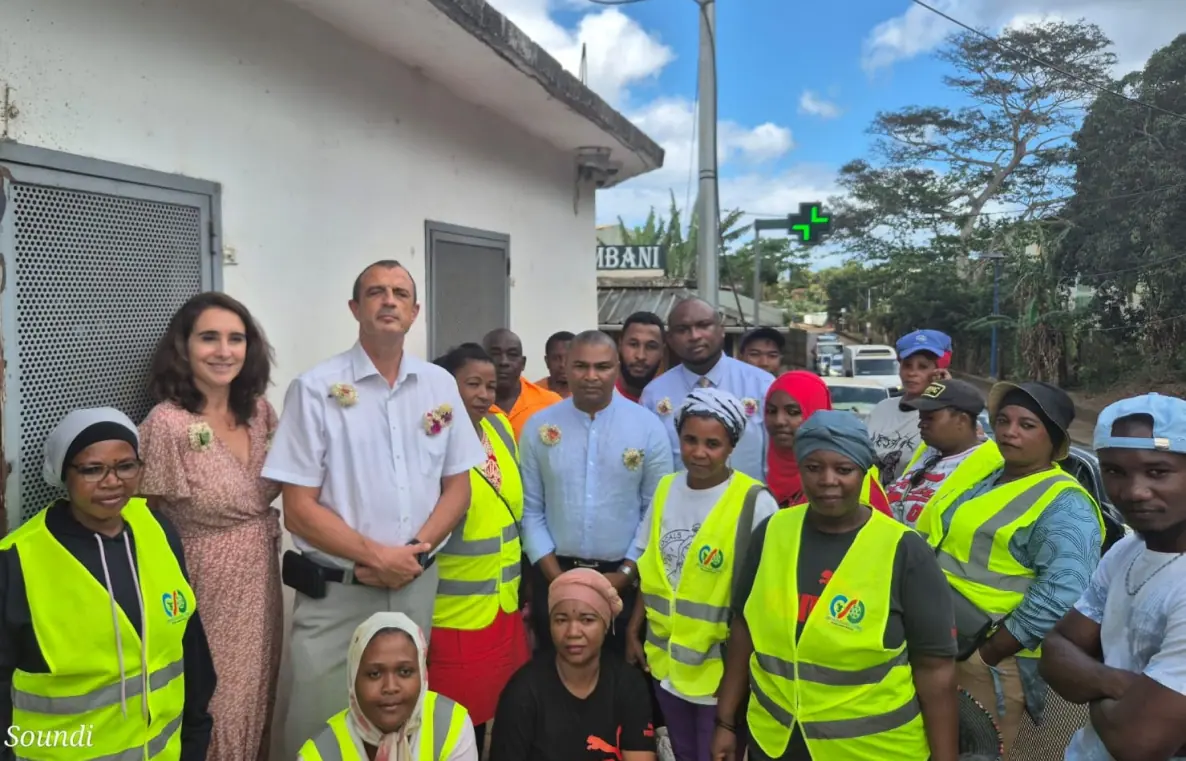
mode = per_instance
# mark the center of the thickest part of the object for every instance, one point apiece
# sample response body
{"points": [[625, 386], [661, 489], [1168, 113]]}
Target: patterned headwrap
{"points": [[716, 404]]}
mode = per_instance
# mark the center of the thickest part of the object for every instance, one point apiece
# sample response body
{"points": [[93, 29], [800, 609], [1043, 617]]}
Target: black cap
{"points": [[959, 394], [764, 334], [1052, 402]]}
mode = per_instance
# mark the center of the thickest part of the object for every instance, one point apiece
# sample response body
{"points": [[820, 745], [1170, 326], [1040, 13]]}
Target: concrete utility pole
{"points": [[709, 234]]}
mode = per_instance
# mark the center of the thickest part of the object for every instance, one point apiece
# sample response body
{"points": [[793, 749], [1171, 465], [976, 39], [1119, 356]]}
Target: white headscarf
{"points": [[396, 746], [63, 436]]}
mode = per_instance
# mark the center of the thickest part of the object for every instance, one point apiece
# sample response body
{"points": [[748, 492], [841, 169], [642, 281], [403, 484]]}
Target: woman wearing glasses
{"points": [[100, 638]]}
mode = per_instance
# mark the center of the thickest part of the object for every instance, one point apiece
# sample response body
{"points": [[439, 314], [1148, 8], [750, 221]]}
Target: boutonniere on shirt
{"points": [[664, 406], [632, 459], [438, 420], [344, 394], [750, 405], [549, 434], [200, 437]]}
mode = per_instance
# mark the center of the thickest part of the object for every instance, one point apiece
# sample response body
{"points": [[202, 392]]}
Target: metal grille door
{"points": [[97, 278]]}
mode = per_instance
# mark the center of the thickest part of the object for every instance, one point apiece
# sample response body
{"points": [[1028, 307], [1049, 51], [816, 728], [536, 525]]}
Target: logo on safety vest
{"points": [[711, 558], [175, 604], [846, 613]]}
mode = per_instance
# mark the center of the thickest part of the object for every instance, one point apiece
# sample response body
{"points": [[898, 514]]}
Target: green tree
{"points": [[1126, 233], [918, 210]]}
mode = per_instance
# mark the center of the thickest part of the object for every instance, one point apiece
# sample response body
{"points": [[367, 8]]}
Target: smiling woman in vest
{"points": [[478, 636], [842, 624], [698, 525], [1018, 546], [100, 625], [392, 715], [793, 398]]}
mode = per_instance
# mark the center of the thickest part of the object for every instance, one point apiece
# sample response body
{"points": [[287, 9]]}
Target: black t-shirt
{"points": [[921, 613], [538, 719]]}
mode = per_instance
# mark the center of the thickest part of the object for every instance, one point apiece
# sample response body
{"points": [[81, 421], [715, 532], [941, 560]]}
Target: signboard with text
{"points": [[622, 258]]}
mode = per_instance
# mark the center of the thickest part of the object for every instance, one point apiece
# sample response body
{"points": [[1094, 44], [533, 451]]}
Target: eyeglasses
{"points": [[93, 474]]}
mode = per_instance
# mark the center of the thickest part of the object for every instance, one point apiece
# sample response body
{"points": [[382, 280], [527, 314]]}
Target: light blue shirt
{"points": [[664, 395], [585, 494]]}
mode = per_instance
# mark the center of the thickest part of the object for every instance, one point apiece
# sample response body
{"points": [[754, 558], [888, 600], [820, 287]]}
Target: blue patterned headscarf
{"points": [[716, 404], [837, 431]]}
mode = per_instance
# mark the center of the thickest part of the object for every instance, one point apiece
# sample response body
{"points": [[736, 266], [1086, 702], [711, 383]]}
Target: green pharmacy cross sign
{"points": [[810, 223]]}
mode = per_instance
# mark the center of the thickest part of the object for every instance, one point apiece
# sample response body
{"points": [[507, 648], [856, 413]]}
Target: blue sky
{"points": [[797, 92]]}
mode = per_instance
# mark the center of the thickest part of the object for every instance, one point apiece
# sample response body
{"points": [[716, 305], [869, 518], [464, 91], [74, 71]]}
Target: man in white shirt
{"points": [[1122, 648], [375, 477]]}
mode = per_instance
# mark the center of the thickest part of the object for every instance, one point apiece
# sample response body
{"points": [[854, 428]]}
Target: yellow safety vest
{"points": [[685, 647], [71, 614], [983, 462], [974, 551], [480, 565], [852, 698], [440, 730]]}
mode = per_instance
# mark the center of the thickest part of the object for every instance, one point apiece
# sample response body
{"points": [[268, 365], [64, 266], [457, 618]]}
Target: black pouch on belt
{"points": [[972, 626], [303, 575]]}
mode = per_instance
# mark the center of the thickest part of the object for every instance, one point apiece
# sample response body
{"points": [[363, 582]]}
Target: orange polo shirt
{"points": [[532, 399]]}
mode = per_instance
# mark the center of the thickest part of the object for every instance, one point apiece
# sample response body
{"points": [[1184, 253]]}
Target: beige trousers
{"points": [[1007, 707]]}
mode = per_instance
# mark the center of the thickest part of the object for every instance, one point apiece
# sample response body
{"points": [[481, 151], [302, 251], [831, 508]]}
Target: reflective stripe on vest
{"points": [[686, 647], [436, 742], [985, 460], [480, 565], [852, 698], [974, 550], [71, 612]]}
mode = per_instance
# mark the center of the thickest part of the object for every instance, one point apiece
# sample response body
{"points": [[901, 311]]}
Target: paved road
{"points": [[1082, 429]]}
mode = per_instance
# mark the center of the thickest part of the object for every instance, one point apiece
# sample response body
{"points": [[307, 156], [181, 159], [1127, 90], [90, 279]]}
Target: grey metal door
{"points": [[95, 267], [468, 285]]}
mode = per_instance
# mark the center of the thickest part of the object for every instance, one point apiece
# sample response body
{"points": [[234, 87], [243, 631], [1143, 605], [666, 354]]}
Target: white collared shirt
{"points": [[377, 466]]}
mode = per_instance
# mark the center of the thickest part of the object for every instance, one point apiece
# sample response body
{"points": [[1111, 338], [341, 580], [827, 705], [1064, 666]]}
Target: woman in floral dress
{"points": [[204, 446]]}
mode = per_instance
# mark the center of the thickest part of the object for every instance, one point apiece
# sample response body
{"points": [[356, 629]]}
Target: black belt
{"points": [[596, 565], [346, 576]]}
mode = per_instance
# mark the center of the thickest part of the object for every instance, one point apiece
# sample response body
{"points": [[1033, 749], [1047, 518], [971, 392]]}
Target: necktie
{"points": [[704, 382]]}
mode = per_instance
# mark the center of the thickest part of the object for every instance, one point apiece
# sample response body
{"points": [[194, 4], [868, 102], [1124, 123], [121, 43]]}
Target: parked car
{"points": [[856, 394]]}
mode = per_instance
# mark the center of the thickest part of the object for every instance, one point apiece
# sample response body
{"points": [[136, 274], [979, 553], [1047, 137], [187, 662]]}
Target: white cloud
{"points": [[619, 51], [621, 55], [1137, 27], [814, 105], [669, 121]]}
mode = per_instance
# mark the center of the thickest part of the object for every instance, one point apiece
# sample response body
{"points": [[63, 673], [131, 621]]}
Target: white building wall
{"points": [[330, 155]]}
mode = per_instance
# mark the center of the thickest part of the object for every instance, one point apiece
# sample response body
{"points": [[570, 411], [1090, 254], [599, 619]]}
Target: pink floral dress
{"points": [[231, 535]]}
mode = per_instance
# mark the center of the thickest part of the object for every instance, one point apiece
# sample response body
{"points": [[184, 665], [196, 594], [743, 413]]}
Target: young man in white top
{"points": [[1122, 648], [375, 476]]}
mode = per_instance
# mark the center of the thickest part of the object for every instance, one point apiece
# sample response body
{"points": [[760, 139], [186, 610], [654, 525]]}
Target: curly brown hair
{"points": [[170, 375]]}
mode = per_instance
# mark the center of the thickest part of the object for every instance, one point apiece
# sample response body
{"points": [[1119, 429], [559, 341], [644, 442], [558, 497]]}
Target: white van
{"points": [[877, 363]]}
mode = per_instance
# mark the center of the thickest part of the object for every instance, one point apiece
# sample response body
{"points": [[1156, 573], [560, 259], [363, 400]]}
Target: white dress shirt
{"points": [[377, 466]]}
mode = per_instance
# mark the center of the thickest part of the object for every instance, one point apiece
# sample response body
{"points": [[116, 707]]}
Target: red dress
{"points": [[472, 666]]}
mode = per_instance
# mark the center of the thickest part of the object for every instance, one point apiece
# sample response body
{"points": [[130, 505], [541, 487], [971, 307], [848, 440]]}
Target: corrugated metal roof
{"points": [[616, 302]]}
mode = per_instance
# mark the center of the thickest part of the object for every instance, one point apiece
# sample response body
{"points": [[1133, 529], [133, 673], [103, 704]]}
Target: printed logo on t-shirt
{"points": [[807, 602], [846, 613], [595, 743], [711, 558]]}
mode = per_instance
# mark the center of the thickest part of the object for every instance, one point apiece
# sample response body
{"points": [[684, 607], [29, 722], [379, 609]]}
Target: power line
{"points": [[1048, 64]]}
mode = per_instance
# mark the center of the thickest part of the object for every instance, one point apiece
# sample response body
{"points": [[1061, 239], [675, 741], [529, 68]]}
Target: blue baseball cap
{"points": [[931, 341], [1169, 423]]}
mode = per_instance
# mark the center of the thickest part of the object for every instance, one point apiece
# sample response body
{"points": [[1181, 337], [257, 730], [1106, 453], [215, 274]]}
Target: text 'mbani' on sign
{"points": [[631, 257]]}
